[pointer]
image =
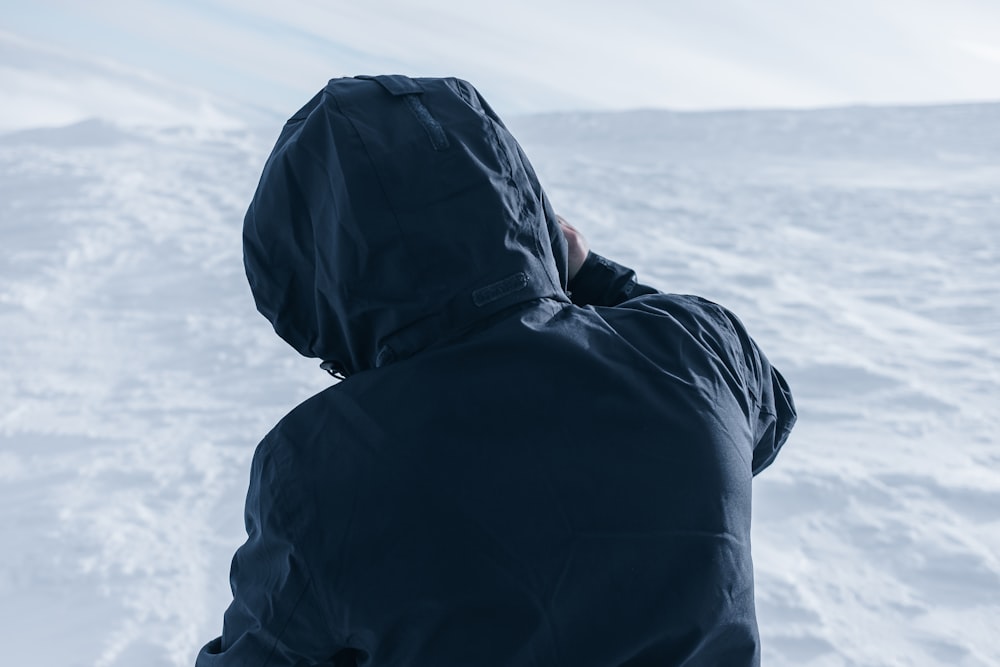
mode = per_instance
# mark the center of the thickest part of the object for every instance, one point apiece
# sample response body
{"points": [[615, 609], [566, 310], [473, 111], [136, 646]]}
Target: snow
{"points": [[859, 245]]}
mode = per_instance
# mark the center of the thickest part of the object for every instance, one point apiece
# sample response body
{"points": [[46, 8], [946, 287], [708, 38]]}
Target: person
{"points": [[531, 459]]}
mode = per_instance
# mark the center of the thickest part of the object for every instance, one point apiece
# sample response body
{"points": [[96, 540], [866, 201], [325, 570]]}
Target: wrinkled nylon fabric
{"points": [[512, 474], [366, 241]]}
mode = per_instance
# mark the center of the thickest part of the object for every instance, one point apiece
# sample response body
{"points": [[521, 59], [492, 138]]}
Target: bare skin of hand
{"points": [[578, 248]]}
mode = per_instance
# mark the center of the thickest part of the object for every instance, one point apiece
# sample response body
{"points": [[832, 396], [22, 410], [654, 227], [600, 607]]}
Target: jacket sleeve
{"points": [[772, 408], [602, 282], [276, 618]]}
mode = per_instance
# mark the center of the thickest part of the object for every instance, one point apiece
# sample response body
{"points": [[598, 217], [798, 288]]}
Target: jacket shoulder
{"points": [[706, 321]]}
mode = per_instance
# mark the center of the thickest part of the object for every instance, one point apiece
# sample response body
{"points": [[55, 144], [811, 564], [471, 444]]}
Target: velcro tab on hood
{"points": [[395, 84]]}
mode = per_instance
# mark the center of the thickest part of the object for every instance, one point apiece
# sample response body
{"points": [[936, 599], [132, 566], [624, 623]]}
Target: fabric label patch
{"points": [[500, 289]]}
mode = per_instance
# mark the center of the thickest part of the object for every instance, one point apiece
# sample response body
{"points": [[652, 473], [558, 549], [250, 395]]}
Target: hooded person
{"points": [[528, 462]]}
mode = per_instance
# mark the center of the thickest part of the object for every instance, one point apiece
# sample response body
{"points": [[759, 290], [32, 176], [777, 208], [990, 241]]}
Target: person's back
{"points": [[507, 476]]}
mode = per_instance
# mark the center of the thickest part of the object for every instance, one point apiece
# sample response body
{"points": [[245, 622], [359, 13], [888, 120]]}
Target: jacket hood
{"points": [[394, 212]]}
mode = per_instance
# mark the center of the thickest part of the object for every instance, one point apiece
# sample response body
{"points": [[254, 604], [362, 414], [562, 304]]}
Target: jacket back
{"points": [[507, 476]]}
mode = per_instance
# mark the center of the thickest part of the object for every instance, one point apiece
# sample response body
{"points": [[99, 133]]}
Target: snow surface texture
{"points": [[860, 246]]}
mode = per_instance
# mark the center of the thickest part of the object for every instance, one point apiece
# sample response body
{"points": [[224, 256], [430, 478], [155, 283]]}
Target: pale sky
{"points": [[525, 55]]}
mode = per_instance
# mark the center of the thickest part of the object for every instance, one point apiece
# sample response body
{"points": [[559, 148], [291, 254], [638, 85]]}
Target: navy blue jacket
{"points": [[509, 475]]}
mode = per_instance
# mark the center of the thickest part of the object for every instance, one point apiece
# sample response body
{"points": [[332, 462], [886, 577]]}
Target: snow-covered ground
{"points": [[860, 246]]}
